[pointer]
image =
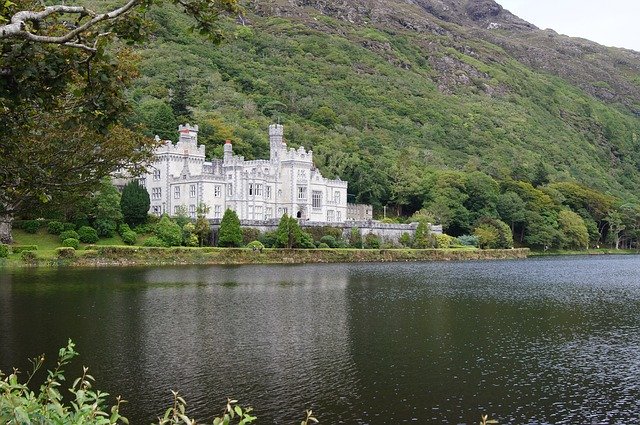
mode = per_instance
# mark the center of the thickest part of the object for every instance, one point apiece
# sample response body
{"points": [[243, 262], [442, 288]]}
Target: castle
{"points": [[180, 179]]}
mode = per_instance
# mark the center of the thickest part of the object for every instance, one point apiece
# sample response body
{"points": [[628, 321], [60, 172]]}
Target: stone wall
{"points": [[387, 232]]}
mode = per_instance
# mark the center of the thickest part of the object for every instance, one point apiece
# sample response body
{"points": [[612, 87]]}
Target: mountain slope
{"points": [[386, 91]]}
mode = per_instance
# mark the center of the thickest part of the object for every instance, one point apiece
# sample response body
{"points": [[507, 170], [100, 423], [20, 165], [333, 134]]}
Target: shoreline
{"points": [[119, 256]]}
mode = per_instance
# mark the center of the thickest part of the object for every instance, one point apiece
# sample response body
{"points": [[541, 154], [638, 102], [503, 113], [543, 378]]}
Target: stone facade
{"points": [[181, 179]]}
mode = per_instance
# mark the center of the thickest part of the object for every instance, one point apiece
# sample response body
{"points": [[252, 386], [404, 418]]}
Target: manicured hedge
{"points": [[23, 248]]}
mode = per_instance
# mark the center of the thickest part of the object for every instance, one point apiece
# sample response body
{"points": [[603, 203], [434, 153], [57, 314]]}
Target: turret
{"points": [[228, 151], [188, 133], [276, 133]]}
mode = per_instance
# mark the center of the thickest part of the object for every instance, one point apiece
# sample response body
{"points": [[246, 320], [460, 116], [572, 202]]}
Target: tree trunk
{"points": [[6, 222]]}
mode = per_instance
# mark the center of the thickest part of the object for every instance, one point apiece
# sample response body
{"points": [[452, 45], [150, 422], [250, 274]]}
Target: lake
{"points": [[537, 341]]}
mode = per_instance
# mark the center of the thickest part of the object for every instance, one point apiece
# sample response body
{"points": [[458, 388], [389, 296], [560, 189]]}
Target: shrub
{"points": [[189, 238], [323, 245], [306, 241], [269, 239], [255, 245], [154, 241], [405, 239], [371, 241], [328, 240], [468, 240], [68, 226], [129, 237], [169, 232], [31, 226], [145, 229], [229, 234], [28, 256], [445, 241], [4, 250], [55, 227], [87, 234], [67, 234], [123, 228], [23, 248], [72, 242], [105, 227], [355, 238], [249, 234], [66, 252]]}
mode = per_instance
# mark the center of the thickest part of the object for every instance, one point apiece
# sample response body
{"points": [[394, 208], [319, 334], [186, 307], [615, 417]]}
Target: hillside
{"points": [[386, 92]]}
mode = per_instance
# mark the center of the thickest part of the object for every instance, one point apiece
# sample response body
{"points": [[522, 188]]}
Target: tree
{"points": [[202, 226], [106, 209], [493, 233], [230, 233], [616, 226], [169, 232], [573, 229], [179, 101], [134, 203], [62, 97], [289, 233]]}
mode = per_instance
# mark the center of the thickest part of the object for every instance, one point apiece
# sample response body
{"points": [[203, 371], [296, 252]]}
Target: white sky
{"points": [[608, 22]]}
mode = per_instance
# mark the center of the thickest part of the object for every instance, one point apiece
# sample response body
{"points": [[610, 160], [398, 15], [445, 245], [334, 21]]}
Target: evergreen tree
{"points": [[289, 234], [230, 234], [162, 122], [179, 102], [134, 203]]}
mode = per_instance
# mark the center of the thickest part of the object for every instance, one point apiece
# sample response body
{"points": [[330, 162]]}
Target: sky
{"points": [[608, 22]]}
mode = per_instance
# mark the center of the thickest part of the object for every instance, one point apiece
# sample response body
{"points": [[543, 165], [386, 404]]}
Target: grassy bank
{"points": [[97, 255]]}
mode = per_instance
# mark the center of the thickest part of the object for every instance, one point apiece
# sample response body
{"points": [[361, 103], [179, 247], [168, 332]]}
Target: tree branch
{"points": [[17, 28]]}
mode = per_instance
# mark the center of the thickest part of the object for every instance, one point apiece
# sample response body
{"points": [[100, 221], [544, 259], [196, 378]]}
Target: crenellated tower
{"points": [[276, 141]]}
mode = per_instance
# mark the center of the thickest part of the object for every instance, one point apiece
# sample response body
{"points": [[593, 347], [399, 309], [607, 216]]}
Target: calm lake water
{"points": [[536, 341]]}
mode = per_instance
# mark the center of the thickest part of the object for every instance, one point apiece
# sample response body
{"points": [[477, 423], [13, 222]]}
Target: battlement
{"points": [[276, 130], [299, 154], [181, 148]]}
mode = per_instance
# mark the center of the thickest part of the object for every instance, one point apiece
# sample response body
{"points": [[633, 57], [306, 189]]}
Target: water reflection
{"points": [[536, 341]]}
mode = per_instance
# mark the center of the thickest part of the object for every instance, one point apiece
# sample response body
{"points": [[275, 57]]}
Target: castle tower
{"points": [[188, 133], [276, 133]]}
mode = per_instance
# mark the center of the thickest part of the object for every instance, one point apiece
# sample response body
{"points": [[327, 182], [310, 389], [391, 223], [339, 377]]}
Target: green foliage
{"points": [[306, 241], [573, 229], [129, 237], [87, 234], [202, 228], [16, 249], [289, 234], [355, 238], [168, 231], [323, 245], [493, 234], [468, 240], [329, 240], [249, 234], [66, 251], [55, 227], [19, 404], [69, 234], [106, 209], [154, 241], [134, 203], [230, 233], [72, 242], [422, 238], [180, 102], [371, 241], [28, 256], [68, 226], [444, 241], [269, 239], [405, 240], [255, 245], [189, 238], [4, 250], [31, 226]]}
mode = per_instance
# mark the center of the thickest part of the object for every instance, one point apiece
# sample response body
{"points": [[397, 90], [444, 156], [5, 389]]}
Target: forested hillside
{"points": [[411, 103]]}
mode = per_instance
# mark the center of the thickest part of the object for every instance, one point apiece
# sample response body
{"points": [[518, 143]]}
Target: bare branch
{"points": [[17, 28]]}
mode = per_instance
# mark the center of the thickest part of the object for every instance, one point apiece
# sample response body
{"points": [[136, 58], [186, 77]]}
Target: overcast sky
{"points": [[608, 22]]}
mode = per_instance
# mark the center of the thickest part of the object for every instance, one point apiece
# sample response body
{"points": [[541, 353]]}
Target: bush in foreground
{"points": [[72, 242], [69, 234], [19, 404]]}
